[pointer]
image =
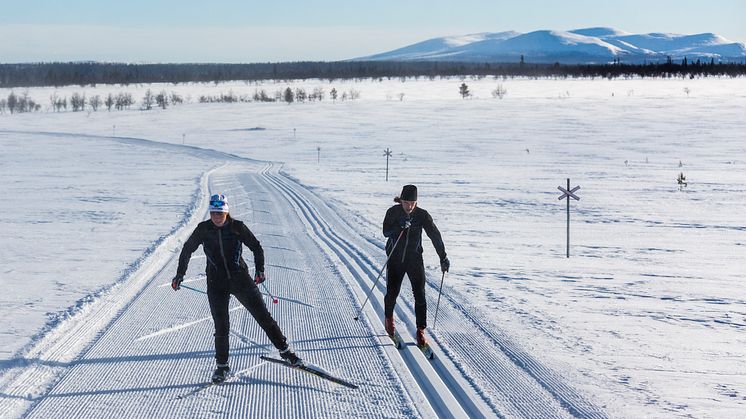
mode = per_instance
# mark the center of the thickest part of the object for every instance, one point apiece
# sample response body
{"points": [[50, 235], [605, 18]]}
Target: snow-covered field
{"points": [[646, 318]]}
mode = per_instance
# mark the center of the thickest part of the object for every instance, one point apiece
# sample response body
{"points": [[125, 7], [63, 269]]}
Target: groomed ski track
{"points": [[136, 350]]}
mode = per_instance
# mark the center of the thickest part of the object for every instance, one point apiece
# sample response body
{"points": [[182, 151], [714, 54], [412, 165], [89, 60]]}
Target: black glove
{"points": [[259, 277], [405, 223], [176, 282], [445, 264]]}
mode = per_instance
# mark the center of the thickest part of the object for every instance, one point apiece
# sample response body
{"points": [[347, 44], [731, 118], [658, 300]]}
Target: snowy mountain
{"points": [[589, 45]]}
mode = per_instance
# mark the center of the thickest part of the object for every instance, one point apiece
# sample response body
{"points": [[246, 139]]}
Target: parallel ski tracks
{"points": [[457, 384], [444, 402], [509, 383]]}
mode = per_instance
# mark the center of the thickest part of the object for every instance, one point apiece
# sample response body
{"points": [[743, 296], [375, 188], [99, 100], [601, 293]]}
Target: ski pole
{"points": [[439, 292], [274, 300], [190, 288], [378, 277]]}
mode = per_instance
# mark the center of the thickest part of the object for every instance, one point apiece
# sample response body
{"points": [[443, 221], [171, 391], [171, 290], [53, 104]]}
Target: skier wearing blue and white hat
{"points": [[222, 238]]}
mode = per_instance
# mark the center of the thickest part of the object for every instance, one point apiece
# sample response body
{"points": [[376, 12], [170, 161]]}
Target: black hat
{"points": [[408, 193]]}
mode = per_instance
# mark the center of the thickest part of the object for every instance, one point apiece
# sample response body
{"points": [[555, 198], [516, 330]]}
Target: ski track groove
{"points": [[522, 397], [439, 396], [322, 242]]}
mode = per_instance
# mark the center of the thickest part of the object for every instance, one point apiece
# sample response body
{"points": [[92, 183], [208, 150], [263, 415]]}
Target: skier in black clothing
{"points": [[405, 222], [221, 238]]}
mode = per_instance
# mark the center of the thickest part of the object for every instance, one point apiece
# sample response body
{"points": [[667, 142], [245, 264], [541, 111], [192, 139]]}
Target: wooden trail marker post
{"points": [[568, 193], [387, 153]]}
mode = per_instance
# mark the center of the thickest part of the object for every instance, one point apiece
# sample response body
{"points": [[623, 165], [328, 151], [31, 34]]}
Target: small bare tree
{"points": [[318, 93], [95, 102], [147, 100], [464, 91], [353, 94], [109, 101], [288, 96], [681, 180], [77, 101], [12, 102], [176, 99], [161, 99], [300, 95], [500, 91]]}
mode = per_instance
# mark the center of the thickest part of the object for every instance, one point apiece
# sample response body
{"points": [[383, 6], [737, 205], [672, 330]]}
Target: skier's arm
{"points": [[186, 252], [434, 234], [248, 238], [391, 226]]}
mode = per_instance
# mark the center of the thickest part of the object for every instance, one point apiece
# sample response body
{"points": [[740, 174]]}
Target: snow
{"points": [[644, 319], [557, 42]]}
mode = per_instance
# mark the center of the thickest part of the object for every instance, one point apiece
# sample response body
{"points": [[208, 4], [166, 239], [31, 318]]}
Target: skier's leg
{"points": [[248, 294], [218, 299], [416, 274], [394, 277]]}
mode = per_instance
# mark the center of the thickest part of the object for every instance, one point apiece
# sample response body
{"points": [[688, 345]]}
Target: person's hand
{"points": [[259, 277], [405, 223], [176, 282], [445, 264]]}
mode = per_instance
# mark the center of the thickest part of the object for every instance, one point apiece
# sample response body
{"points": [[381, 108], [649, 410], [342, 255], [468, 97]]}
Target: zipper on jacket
{"points": [[222, 253]]}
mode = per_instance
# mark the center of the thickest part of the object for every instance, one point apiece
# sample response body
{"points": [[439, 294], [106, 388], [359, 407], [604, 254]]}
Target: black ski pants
{"points": [[219, 291], [414, 268]]}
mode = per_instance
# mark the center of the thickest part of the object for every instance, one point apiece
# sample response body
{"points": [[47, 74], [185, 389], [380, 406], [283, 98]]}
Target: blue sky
{"points": [[260, 31]]}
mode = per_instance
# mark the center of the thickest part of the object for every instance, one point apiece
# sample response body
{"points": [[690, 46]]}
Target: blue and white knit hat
{"points": [[218, 203]]}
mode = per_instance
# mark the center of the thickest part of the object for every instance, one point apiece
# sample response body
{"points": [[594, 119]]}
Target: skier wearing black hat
{"points": [[222, 238], [404, 222]]}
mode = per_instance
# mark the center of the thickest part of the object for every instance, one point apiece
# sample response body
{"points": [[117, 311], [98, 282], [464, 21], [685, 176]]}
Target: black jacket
{"points": [[222, 246], [411, 240]]}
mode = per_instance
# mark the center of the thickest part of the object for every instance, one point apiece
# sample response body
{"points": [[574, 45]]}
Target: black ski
{"points": [[200, 388], [399, 344], [311, 369], [427, 351], [205, 386]]}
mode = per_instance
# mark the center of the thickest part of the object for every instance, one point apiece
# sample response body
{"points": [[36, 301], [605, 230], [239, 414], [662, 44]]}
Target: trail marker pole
{"points": [[318, 155], [387, 153], [568, 193]]}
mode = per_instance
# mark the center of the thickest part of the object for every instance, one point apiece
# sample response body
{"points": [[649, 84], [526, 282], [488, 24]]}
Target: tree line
{"points": [[78, 102], [93, 73]]}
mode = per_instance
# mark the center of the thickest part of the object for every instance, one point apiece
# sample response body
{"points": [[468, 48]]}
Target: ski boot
{"points": [[221, 373], [423, 345], [393, 334], [290, 357], [390, 328], [421, 340]]}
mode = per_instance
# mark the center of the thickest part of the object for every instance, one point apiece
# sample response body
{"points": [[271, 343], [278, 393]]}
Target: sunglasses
{"points": [[217, 204]]}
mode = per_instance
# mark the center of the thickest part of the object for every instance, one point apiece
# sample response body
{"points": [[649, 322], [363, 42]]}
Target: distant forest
{"points": [[93, 73]]}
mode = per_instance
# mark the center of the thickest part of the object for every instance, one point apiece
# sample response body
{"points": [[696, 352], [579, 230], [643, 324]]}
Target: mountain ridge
{"points": [[593, 45]]}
